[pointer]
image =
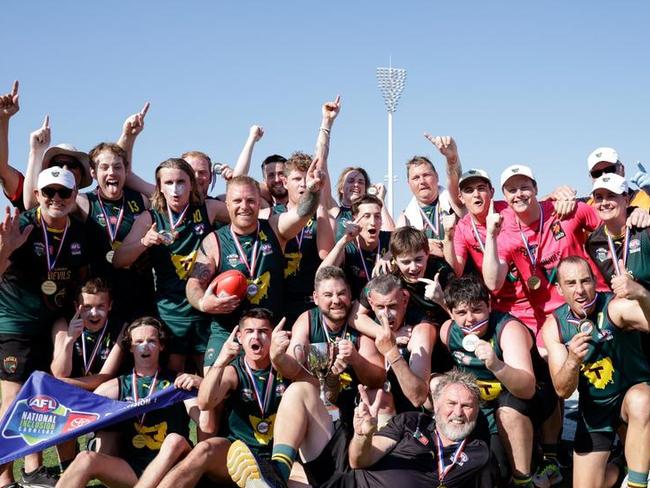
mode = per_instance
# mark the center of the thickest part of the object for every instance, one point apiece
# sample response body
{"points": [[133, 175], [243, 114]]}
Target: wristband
{"points": [[390, 363]]}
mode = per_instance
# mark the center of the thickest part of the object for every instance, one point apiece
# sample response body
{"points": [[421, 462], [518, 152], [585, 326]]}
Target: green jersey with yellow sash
{"points": [[319, 332], [614, 362], [142, 437], [43, 276], [173, 263], [110, 222], [252, 407]]}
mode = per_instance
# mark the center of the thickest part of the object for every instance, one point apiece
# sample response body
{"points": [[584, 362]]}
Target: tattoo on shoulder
{"points": [[201, 272]]}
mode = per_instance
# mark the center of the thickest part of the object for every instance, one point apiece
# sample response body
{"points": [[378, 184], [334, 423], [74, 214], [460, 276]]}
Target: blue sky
{"points": [[541, 83]]}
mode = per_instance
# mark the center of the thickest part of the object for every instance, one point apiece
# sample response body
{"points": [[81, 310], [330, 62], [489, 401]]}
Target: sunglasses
{"points": [[68, 164], [599, 172], [49, 192]]}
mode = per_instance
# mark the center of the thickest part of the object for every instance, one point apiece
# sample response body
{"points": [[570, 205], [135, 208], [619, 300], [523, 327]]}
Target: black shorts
{"points": [[21, 355], [332, 463], [586, 441]]}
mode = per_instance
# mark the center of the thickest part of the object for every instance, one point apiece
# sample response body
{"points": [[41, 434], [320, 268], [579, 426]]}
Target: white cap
{"points": [[474, 173], [514, 170], [56, 176], [612, 182], [601, 154]]}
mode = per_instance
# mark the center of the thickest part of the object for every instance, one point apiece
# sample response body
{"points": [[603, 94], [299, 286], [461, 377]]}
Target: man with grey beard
{"points": [[414, 449]]}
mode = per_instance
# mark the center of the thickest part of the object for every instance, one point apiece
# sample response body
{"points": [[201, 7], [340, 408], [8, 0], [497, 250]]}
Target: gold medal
{"points": [[139, 441], [534, 282], [48, 287], [109, 256], [262, 427]]}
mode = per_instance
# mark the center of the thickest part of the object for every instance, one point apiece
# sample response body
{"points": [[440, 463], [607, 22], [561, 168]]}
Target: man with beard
{"points": [[357, 359], [362, 245], [413, 450], [251, 245], [594, 345], [248, 388]]}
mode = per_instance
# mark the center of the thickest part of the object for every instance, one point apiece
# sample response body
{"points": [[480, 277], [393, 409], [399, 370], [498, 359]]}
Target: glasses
{"points": [[49, 192], [597, 173], [73, 164]]}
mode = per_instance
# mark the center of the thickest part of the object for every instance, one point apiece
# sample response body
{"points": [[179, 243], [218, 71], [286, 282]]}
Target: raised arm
{"points": [[131, 129], [329, 110], [631, 308], [221, 378], [494, 269], [10, 178], [337, 255], [39, 141], [287, 224], [564, 361], [448, 148], [243, 165]]}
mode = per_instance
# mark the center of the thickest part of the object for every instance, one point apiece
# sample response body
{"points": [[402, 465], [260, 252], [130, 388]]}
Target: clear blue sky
{"points": [[541, 83]]}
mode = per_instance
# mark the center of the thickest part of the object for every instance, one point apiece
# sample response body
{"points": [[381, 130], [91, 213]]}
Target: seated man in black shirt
{"points": [[412, 450]]}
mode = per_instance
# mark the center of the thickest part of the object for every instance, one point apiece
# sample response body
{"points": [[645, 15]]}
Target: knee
{"points": [[637, 404], [208, 449], [174, 445], [301, 392], [510, 417], [85, 461]]}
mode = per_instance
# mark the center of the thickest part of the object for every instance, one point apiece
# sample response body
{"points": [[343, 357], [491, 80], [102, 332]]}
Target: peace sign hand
{"points": [[314, 177], [9, 103], [365, 415]]}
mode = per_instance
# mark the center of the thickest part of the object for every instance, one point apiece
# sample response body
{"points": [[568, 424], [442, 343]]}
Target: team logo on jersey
{"points": [[233, 260], [279, 389], [199, 229], [247, 394], [184, 264], [75, 249], [101, 220], [489, 389], [149, 437], [39, 249], [293, 263], [262, 428], [602, 254], [600, 373], [635, 245], [263, 282], [10, 364], [267, 249], [556, 230]]}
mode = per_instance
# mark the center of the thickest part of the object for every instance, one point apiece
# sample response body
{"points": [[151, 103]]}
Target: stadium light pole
{"points": [[391, 84]]}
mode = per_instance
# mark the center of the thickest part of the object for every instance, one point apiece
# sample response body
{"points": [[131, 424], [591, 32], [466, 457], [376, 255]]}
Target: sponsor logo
{"points": [[199, 229], [635, 245], [602, 254], [42, 403], [75, 248], [39, 249]]}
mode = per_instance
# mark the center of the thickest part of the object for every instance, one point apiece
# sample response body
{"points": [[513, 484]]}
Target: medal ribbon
{"points": [[112, 231], [436, 219], [88, 363], [262, 403], [472, 328], [327, 334], [442, 469], [242, 255], [173, 224], [574, 320], [363, 261], [299, 238], [51, 264], [533, 259], [477, 236], [134, 388], [612, 250]]}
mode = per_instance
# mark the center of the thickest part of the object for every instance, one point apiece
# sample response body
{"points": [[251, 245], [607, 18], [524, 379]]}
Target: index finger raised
{"points": [[46, 122], [231, 337], [145, 109], [427, 281], [280, 325], [14, 89]]}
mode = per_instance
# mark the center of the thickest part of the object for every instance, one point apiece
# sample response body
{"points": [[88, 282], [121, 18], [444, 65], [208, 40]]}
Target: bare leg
{"points": [[516, 432], [589, 469], [88, 465], [208, 456], [173, 448], [636, 412]]}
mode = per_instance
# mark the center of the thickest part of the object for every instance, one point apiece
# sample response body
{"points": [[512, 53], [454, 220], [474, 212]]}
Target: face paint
{"points": [[175, 189], [145, 347]]}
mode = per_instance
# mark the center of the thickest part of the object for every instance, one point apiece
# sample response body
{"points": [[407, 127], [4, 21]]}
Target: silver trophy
{"points": [[319, 358]]}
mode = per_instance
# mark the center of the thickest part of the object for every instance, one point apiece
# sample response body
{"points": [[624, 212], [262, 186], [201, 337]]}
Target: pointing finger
{"points": [[46, 122], [14, 89], [436, 278], [145, 109], [231, 337], [491, 210], [280, 326]]}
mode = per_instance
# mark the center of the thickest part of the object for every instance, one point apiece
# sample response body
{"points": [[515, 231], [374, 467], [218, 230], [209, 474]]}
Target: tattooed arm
{"points": [[198, 290]]}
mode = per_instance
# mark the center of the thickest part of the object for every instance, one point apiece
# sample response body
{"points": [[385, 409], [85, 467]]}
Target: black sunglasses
{"points": [[49, 192], [69, 164], [597, 173]]}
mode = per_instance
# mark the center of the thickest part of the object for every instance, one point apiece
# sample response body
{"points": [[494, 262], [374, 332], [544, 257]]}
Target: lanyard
{"points": [[173, 224], [88, 363], [134, 388], [240, 250], [612, 249], [533, 259], [477, 236], [472, 328], [261, 402], [363, 260], [112, 231], [442, 469], [327, 334], [436, 219], [300, 236], [574, 320], [52, 263]]}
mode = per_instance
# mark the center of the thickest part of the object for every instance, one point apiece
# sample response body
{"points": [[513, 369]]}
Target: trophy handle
{"points": [[301, 348]]}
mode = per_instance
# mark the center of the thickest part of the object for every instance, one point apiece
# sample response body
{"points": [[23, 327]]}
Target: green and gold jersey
{"points": [[246, 421], [173, 263], [33, 294], [614, 361], [302, 262], [142, 437], [110, 221]]}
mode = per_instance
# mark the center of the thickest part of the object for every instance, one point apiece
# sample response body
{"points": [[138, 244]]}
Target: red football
{"points": [[231, 282]]}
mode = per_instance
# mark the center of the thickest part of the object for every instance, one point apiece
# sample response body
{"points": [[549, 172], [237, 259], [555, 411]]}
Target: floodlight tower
{"points": [[391, 83]]}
